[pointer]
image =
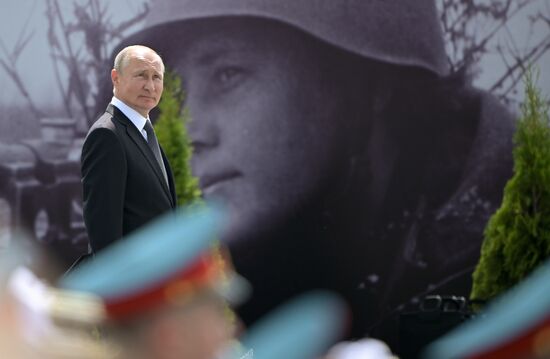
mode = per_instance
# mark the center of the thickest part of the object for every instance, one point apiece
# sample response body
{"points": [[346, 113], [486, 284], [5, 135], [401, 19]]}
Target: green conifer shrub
{"points": [[517, 237], [171, 131]]}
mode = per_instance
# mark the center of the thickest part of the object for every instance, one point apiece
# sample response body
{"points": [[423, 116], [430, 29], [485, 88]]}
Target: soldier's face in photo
{"points": [[264, 124]]}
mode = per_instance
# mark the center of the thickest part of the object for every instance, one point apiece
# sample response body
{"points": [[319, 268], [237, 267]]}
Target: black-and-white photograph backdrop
{"points": [[367, 163]]}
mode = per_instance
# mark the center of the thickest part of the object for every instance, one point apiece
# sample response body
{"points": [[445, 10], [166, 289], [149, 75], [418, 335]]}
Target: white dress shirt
{"points": [[135, 117]]}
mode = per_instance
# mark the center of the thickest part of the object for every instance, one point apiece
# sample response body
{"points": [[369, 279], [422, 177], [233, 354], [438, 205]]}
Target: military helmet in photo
{"points": [[401, 32]]}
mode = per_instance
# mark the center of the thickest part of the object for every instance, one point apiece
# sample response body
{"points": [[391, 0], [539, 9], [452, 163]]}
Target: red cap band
{"points": [[176, 289]]}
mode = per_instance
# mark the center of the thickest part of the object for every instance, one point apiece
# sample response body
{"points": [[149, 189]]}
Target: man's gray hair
{"points": [[122, 58]]}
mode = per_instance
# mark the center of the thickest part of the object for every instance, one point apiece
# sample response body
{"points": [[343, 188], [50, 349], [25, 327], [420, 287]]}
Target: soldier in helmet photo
{"points": [[348, 155]]}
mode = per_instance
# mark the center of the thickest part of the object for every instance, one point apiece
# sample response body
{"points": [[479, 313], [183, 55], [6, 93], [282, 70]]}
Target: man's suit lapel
{"points": [[142, 145]]}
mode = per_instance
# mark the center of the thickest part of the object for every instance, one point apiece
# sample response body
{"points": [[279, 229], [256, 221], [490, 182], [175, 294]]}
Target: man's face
{"points": [[200, 330], [139, 84], [264, 126]]}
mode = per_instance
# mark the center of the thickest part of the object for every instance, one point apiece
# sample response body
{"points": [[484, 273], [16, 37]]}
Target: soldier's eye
{"points": [[228, 75]]}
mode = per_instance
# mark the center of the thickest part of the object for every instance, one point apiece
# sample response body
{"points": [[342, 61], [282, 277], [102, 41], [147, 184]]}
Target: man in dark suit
{"points": [[126, 177]]}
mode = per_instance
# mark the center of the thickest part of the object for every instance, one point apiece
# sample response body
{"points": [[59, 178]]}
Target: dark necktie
{"points": [[154, 146]]}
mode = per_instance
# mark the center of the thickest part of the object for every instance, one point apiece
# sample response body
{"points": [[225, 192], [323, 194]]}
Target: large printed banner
{"points": [[358, 149]]}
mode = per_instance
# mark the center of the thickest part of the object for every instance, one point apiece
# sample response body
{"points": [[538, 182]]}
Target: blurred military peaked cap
{"points": [[401, 32], [167, 262]]}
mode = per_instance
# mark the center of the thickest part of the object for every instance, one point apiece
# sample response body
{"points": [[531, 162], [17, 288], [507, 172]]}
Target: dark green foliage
{"points": [[172, 136], [517, 237]]}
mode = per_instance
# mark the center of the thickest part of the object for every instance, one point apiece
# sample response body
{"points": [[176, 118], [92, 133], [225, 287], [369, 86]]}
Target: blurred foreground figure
{"points": [[366, 348], [38, 320], [514, 326], [170, 308], [349, 158], [163, 289], [177, 305]]}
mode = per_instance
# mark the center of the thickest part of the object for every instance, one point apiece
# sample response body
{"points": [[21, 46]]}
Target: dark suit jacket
{"points": [[124, 187]]}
